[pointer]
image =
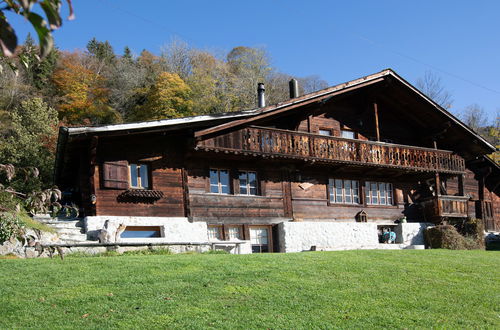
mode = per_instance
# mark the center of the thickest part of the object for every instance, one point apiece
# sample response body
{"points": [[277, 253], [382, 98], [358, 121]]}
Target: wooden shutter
{"points": [[115, 175]]}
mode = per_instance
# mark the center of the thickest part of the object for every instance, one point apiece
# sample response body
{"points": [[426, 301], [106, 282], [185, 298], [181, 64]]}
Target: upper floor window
{"points": [[248, 182], [348, 134], [219, 181], [139, 176], [325, 132], [378, 193], [344, 191]]}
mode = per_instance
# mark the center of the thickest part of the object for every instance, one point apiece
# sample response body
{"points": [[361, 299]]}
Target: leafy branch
{"points": [[42, 25]]}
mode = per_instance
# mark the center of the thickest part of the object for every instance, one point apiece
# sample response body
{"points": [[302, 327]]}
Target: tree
{"points": [[431, 85], [475, 117], [176, 58], [84, 98], [248, 66], [51, 8], [169, 97], [127, 54], [31, 140], [37, 71], [101, 50]]}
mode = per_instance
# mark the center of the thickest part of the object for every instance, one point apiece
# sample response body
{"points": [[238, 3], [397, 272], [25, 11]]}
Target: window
{"points": [[139, 176], [215, 233], [378, 193], [344, 191], [248, 183], [141, 232], [219, 181], [235, 233], [325, 132], [347, 134], [259, 238], [225, 232]]}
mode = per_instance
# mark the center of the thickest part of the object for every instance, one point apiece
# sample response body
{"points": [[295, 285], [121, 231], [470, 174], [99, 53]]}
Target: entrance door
{"points": [[261, 239]]}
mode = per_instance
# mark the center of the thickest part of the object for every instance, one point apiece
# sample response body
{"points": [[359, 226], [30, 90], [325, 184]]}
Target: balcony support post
{"points": [[375, 111], [461, 189], [438, 187]]}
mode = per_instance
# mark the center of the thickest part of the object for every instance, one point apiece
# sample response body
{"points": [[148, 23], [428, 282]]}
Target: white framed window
{"points": [[235, 233], [214, 233], [379, 193], [139, 176], [248, 182], [219, 181], [343, 191], [260, 240]]}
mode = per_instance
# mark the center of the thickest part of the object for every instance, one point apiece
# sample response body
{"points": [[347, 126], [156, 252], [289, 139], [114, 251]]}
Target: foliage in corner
{"points": [[16, 206], [42, 25]]}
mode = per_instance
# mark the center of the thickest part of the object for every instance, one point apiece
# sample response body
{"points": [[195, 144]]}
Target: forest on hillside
{"points": [[98, 86]]}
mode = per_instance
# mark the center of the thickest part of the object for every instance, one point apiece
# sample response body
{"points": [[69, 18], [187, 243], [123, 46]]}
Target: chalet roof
{"points": [[209, 124]]}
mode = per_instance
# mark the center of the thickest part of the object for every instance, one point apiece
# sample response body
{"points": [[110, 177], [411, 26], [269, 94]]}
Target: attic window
{"points": [[348, 134], [325, 132]]}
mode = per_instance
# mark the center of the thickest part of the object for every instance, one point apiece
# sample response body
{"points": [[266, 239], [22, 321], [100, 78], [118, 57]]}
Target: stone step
{"points": [[73, 237], [64, 223], [74, 230]]}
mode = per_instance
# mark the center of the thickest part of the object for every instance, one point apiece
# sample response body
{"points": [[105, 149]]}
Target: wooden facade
{"points": [[324, 156]]}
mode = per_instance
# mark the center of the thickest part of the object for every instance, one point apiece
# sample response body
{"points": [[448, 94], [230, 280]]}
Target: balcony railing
{"points": [[446, 206], [291, 144]]}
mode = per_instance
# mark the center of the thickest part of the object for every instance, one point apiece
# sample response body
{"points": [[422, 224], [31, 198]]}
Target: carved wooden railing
{"points": [[446, 206], [284, 143]]}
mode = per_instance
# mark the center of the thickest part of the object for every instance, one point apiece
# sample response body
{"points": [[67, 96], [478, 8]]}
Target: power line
{"points": [[380, 45]]}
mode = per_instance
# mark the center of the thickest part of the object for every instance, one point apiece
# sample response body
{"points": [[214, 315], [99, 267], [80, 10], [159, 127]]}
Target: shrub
{"points": [[10, 227]]}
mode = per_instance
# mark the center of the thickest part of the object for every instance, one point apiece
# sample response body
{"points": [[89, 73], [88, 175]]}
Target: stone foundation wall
{"points": [[411, 233], [325, 236], [174, 229]]}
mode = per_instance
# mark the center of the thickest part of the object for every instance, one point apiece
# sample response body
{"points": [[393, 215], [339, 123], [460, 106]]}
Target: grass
{"points": [[348, 289]]}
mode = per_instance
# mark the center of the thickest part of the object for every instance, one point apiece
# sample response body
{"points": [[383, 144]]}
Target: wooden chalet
{"points": [[372, 150]]}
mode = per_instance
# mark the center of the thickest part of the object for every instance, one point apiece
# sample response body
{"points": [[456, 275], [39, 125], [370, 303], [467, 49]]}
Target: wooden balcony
{"points": [[446, 206], [278, 143]]}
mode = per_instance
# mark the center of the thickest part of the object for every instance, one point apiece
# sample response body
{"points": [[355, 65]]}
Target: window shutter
{"points": [[115, 174]]}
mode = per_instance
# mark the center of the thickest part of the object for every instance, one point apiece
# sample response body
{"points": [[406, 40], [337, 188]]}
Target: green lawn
{"points": [[349, 289]]}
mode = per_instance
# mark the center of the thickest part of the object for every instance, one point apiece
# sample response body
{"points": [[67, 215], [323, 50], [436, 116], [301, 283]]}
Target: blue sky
{"points": [[337, 40]]}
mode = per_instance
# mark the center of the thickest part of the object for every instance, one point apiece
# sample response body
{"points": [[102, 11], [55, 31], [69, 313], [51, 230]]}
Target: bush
{"points": [[10, 227]]}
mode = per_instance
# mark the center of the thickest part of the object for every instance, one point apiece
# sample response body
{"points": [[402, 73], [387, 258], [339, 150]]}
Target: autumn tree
{"points": [[169, 97], [83, 95]]}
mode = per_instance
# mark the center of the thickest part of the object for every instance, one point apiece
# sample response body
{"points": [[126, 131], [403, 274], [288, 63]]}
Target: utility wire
{"points": [[380, 45]]}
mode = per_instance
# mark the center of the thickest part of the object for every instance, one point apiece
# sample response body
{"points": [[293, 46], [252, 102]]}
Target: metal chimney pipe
{"points": [[261, 95], [294, 88]]}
